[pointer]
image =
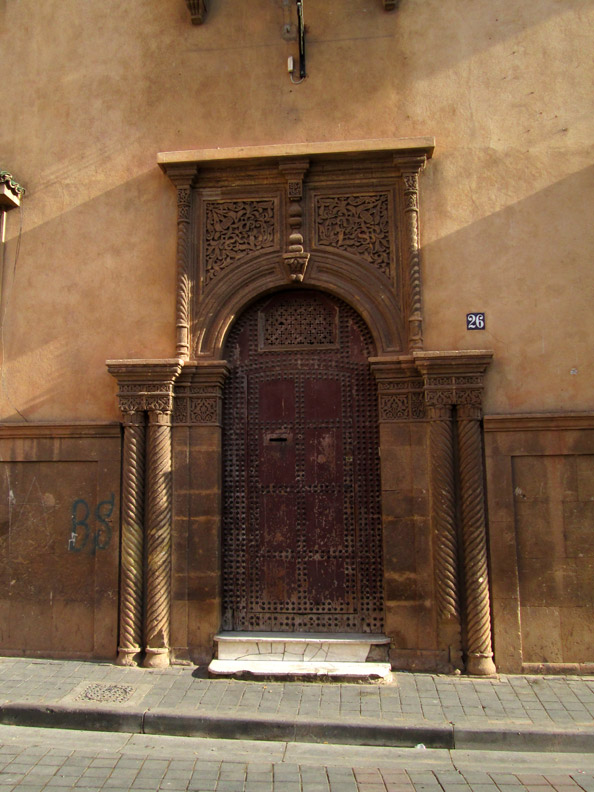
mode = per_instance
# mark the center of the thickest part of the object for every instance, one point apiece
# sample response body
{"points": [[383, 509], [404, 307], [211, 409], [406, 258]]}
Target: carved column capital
{"points": [[470, 410], [159, 416], [199, 393], [399, 387], [453, 378], [132, 418], [145, 384], [439, 412]]}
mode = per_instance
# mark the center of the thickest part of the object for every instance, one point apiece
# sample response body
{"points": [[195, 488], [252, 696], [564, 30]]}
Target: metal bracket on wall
{"points": [[301, 35], [295, 32], [390, 5], [198, 10]]}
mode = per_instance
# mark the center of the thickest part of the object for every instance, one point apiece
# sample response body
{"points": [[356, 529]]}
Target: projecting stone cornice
{"points": [[418, 147]]}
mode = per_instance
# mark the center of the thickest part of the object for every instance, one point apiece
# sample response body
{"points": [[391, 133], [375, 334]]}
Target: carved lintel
{"points": [[198, 11]]}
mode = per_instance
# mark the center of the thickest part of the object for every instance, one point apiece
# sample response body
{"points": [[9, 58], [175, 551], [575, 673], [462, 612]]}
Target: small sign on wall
{"points": [[475, 321]]}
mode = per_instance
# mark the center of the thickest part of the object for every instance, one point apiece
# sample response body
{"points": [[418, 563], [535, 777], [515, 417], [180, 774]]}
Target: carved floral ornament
{"points": [[341, 217], [234, 229], [430, 384]]}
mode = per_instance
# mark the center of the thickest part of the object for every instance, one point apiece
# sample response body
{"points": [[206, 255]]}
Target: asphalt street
{"points": [[32, 760]]}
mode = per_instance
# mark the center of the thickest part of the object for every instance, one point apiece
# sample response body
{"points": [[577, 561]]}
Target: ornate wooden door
{"points": [[301, 520]]}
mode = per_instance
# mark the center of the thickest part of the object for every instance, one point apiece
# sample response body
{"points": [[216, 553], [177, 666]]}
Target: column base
{"points": [[480, 665], [156, 658], [127, 655]]}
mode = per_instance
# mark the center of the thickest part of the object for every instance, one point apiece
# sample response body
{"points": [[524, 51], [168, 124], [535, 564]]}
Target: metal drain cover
{"points": [[112, 693]]}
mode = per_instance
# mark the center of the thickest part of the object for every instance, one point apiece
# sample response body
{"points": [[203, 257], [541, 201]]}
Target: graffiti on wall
{"points": [[91, 531]]}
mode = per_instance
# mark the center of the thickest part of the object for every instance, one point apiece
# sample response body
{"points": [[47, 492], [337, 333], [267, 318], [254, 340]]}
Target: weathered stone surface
{"points": [[542, 560], [59, 540]]}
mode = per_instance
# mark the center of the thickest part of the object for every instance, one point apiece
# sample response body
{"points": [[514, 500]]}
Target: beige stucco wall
{"points": [[92, 91]]}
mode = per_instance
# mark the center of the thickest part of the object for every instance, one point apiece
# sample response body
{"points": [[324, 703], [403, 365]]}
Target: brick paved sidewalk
{"points": [[487, 706], [49, 760]]}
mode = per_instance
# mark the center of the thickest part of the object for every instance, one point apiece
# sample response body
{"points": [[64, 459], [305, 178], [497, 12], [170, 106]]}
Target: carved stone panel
{"points": [[234, 229], [358, 224]]}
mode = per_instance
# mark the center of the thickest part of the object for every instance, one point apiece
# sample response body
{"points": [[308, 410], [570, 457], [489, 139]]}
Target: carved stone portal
{"points": [[349, 226]]}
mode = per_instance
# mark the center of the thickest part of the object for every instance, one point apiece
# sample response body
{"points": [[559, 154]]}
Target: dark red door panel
{"points": [[301, 520]]}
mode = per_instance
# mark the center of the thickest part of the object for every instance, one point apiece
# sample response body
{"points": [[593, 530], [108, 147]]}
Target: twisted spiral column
{"points": [[411, 213], [182, 306], [158, 543], [478, 607], [132, 538], [443, 513]]}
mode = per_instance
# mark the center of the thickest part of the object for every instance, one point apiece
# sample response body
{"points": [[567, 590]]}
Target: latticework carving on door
{"points": [[301, 523]]}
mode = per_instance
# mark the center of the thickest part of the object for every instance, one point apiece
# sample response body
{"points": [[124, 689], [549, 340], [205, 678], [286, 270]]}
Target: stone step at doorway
{"points": [[269, 655]]}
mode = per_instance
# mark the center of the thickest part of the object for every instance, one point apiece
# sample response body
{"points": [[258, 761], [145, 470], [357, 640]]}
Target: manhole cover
{"points": [[98, 692]]}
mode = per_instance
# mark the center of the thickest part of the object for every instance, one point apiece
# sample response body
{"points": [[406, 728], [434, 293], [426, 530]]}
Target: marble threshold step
{"points": [[344, 656]]}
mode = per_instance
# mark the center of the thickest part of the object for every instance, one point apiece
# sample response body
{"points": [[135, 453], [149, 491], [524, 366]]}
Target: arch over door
{"points": [[301, 520]]}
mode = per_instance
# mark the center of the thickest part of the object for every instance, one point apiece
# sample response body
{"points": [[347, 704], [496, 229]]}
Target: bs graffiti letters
{"points": [[91, 531]]}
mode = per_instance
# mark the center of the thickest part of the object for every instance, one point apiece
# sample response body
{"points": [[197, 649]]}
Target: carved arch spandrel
{"points": [[361, 223], [234, 229], [334, 273]]}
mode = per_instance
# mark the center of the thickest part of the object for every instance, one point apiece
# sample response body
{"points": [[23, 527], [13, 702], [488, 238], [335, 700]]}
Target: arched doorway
{"points": [[302, 548]]}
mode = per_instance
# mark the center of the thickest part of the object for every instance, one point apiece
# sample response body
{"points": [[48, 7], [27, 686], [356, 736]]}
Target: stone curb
{"points": [[84, 717], [506, 737], [520, 737], [310, 730]]}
